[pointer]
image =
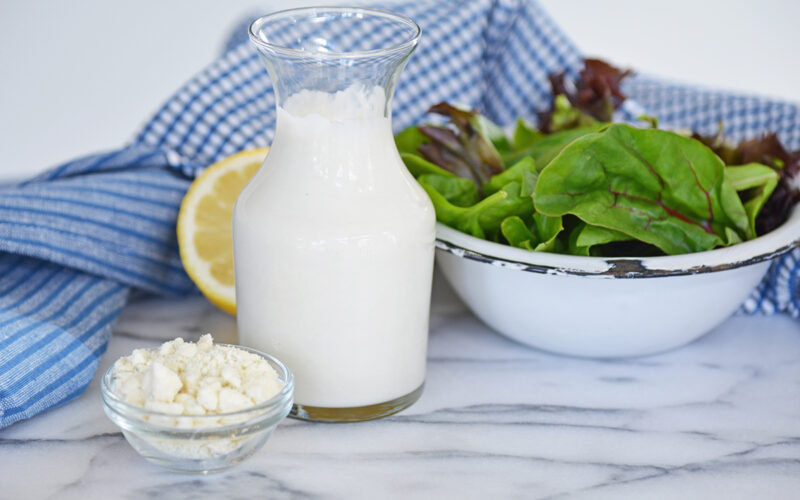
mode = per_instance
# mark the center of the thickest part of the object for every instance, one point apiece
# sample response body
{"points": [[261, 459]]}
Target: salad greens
{"points": [[584, 186]]}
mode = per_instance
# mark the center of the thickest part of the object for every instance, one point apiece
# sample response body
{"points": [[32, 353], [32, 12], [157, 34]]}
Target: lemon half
{"points": [[205, 225]]}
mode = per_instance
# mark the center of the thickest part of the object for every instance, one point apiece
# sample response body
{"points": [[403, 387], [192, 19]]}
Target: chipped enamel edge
{"points": [[764, 248]]}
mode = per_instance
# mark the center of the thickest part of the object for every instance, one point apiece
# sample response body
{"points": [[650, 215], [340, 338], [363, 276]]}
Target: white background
{"points": [[82, 76]]}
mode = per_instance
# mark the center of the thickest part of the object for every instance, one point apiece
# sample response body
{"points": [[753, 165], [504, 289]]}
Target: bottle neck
{"points": [[343, 137], [351, 82], [333, 124]]}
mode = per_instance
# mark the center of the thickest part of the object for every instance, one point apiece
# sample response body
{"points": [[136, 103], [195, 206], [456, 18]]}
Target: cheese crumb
{"points": [[184, 378]]}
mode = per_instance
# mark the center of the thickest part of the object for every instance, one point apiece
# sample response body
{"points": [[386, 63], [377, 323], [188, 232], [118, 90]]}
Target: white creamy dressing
{"points": [[333, 249]]}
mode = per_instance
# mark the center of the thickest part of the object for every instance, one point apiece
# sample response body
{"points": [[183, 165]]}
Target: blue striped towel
{"points": [[76, 239]]}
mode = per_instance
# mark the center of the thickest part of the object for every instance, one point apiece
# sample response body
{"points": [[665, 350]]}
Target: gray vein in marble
{"points": [[29, 441]]}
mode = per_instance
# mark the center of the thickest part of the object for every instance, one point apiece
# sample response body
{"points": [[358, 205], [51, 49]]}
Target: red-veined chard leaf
{"points": [[656, 186]]}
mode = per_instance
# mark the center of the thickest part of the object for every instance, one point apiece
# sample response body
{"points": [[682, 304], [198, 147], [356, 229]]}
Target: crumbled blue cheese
{"points": [[184, 378]]}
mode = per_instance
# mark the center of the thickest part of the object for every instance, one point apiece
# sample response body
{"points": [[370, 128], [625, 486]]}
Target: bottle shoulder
{"points": [[388, 187]]}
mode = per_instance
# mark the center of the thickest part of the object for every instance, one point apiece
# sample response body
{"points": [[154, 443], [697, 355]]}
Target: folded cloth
{"points": [[76, 239]]}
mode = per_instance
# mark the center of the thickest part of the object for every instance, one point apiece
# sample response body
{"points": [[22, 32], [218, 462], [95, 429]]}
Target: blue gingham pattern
{"points": [[76, 239]]}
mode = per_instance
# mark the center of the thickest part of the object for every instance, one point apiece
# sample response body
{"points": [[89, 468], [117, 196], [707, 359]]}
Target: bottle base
{"points": [[356, 413]]}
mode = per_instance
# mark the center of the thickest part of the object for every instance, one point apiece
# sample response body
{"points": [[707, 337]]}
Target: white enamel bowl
{"points": [[602, 307]]}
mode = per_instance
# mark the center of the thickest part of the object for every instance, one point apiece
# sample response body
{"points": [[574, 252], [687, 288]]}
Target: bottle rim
{"points": [[302, 13]]}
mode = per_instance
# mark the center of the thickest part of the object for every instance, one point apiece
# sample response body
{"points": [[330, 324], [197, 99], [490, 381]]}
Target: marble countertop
{"points": [[719, 418]]}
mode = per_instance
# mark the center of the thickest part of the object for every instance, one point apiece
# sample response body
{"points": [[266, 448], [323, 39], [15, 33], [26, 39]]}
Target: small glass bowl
{"points": [[200, 444]]}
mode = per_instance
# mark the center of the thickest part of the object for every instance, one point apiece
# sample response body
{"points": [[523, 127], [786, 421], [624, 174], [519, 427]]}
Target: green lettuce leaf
{"points": [[491, 131], [409, 140], [417, 166], [465, 219], [547, 230], [516, 201], [525, 136], [524, 172], [544, 150], [584, 237], [757, 183], [565, 117], [457, 190], [517, 233], [540, 237]]}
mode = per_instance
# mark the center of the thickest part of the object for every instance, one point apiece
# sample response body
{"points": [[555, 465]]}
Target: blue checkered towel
{"points": [[76, 239]]}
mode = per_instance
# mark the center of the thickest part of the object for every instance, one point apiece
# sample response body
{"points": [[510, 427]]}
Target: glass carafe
{"points": [[333, 238]]}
